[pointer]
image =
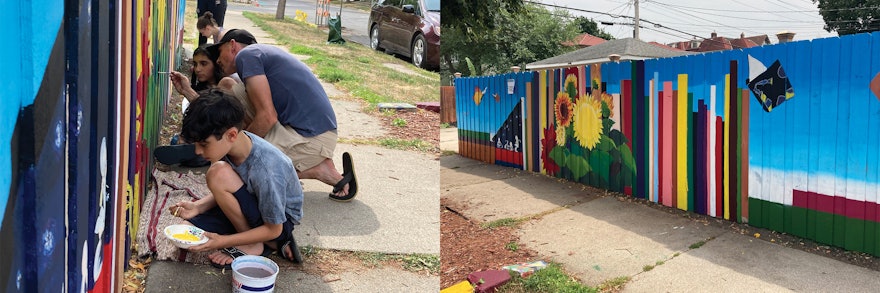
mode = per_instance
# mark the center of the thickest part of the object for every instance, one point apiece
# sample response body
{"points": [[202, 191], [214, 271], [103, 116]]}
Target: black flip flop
{"points": [[348, 177], [294, 249], [236, 253]]}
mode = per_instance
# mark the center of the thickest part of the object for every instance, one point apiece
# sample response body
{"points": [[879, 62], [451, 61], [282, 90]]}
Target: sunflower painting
{"points": [[586, 147]]}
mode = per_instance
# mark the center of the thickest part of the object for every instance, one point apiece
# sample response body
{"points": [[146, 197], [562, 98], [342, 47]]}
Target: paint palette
{"points": [[185, 236]]}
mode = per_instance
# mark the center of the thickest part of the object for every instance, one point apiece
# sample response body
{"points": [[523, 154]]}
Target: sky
{"points": [[729, 18]]}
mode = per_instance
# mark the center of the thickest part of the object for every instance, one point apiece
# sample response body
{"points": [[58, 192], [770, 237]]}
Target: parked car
{"points": [[407, 27]]}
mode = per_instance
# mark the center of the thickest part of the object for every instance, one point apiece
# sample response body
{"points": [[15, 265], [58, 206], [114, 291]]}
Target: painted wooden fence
{"points": [[82, 100], [784, 136]]}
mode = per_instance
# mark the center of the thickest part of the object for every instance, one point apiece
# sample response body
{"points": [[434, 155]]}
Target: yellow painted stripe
{"points": [[726, 170], [542, 107], [681, 136]]}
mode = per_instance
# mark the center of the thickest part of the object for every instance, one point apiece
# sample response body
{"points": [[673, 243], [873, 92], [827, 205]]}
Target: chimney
{"points": [[515, 69], [742, 35], [714, 35], [785, 36]]}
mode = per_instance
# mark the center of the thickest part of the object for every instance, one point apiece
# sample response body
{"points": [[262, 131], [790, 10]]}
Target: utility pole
{"points": [[636, 22]]}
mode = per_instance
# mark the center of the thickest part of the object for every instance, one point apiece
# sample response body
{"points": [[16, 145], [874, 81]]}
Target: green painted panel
{"points": [[870, 237], [824, 228], [811, 223], [756, 218], [839, 233], [796, 220], [876, 240], [773, 214], [474, 134], [855, 234]]}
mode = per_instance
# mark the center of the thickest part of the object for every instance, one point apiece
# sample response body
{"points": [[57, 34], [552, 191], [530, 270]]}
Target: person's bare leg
{"points": [[325, 172], [223, 182]]}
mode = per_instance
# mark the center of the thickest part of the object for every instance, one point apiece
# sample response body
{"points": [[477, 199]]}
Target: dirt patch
{"points": [[417, 124], [466, 247]]}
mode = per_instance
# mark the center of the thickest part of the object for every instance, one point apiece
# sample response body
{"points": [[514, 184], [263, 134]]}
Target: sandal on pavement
{"points": [[234, 253], [294, 249], [348, 177]]}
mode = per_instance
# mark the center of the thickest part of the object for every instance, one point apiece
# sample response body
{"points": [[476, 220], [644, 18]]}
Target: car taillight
{"points": [[436, 29]]}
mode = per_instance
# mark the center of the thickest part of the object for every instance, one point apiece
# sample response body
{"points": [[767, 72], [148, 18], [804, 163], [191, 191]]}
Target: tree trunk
{"points": [[279, 12]]}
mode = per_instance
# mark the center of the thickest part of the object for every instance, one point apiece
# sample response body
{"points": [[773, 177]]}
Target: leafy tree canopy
{"points": [[475, 14], [526, 35], [586, 25], [850, 17]]}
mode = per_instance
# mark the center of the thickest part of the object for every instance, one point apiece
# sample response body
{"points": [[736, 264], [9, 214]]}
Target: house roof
{"points": [[585, 40], [722, 43], [628, 49], [665, 46], [760, 39]]}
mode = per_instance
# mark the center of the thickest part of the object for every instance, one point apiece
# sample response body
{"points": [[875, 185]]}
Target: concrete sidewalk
{"points": [[395, 211], [602, 236]]}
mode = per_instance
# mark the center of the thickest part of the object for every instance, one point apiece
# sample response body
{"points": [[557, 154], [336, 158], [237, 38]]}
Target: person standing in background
{"points": [[218, 11], [208, 27]]}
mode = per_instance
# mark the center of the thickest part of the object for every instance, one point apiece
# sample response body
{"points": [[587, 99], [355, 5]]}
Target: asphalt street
{"points": [[354, 21]]}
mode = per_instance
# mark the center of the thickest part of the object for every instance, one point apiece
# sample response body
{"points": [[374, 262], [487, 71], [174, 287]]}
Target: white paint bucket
{"points": [[253, 273]]}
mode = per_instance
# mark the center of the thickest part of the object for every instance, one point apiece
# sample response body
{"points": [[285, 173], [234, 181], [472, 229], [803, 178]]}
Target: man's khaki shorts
{"points": [[305, 152]]}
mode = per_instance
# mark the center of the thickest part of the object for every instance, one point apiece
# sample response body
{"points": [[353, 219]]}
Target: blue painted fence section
{"points": [[780, 136]]}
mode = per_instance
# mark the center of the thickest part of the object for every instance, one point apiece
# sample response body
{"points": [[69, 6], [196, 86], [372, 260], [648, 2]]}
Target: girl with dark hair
{"points": [[206, 74]]}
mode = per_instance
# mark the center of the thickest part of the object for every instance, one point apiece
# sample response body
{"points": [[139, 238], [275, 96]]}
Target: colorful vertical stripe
{"points": [[687, 132]]}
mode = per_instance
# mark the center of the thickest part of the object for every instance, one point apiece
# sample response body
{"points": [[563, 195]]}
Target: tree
{"points": [[279, 11], [586, 25], [517, 37], [850, 17], [475, 14]]}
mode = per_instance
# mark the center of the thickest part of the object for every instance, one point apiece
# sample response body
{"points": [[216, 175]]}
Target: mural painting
{"points": [[781, 136], [82, 114]]}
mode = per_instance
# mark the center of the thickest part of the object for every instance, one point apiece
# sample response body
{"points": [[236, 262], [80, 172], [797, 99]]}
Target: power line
{"points": [[764, 11]]}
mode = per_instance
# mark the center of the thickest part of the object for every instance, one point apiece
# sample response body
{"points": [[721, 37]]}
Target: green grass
{"points": [[550, 279], [445, 125], [351, 67], [404, 144], [647, 268], [303, 50], [448, 153], [411, 262], [421, 262], [697, 245], [613, 284], [506, 222], [372, 259], [512, 246], [334, 75], [308, 250], [399, 122]]}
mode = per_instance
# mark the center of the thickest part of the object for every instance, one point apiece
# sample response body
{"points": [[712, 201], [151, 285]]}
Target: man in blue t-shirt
{"points": [[291, 109], [256, 198]]}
